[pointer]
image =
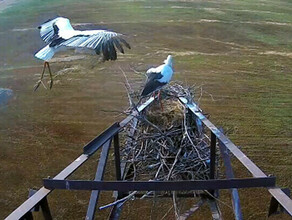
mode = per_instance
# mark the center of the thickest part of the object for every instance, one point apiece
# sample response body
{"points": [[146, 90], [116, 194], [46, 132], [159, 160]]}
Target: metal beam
{"points": [[281, 197], [99, 176], [274, 204], [192, 210], [135, 113], [25, 207], [159, 186], [98, 142], [229, 175], [117, 209], [117, 157], [212, 156], [255, 171], [215, 210]]}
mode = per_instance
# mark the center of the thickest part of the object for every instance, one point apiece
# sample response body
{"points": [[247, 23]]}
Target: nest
{"points": [[166, 145]]}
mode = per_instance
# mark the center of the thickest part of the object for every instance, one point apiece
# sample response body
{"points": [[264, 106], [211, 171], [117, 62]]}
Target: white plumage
{"points": [[60, 35], [158, 77]]}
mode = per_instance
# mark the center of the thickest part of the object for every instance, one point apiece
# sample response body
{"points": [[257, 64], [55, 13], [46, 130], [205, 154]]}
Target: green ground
{"points": [[240, 51]]}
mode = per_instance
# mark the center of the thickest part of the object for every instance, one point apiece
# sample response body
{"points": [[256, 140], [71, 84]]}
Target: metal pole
{"points": [[117, 157], [212, 156], [46, 209], [230, 175], [99, 176]]}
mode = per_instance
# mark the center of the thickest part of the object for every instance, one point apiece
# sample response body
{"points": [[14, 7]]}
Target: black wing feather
{"points": [[152, 83], [152, 86]]}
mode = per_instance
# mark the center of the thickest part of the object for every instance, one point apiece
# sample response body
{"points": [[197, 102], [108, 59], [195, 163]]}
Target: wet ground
{"points": [[240, 52]]}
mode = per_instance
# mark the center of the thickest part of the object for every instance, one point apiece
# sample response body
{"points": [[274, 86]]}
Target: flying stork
{"points": [[60, 35]]}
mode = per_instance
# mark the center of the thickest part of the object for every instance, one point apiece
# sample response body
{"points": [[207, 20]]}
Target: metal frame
{"points": [[277, 193], [104, 141], [229, 175]]}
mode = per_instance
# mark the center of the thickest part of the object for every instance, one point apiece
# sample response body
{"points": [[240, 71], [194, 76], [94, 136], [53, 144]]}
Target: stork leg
{"points": [[159, 98], [36, 86], [51, 76], [46, 64]]}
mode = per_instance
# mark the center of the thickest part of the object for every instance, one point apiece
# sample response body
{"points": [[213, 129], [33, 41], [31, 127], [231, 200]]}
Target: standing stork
{"points": [[60, 35], [158, 77]]}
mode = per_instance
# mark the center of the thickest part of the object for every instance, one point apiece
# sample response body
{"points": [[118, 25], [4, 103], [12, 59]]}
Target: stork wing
{"points": [[152, 83], [154, 76], [101, 41], [50, 29], [154, 73]]}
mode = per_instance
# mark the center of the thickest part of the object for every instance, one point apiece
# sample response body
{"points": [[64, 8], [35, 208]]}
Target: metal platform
{"points": [[104, 140]]}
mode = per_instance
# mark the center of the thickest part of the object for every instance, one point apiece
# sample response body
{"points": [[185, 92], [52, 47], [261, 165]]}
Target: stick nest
{"points": [[166, 145]]}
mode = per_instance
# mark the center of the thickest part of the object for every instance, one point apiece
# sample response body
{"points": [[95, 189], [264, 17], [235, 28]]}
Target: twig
{"points": [[118, 201]]}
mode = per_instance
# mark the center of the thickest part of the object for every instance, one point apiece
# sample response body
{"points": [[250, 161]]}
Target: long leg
{"points": [[36, 86], [51, 76], [159, 98]]}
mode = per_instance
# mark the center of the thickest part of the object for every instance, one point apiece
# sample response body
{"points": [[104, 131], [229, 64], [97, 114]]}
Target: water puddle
{"points": [[5, 95]]}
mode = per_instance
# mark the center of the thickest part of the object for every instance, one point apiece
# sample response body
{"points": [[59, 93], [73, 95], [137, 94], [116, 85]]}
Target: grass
{"points": [[251, 89]]}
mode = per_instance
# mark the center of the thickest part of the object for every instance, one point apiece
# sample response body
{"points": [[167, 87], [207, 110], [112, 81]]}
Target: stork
{"points": [[60, 35], [158, 77]]}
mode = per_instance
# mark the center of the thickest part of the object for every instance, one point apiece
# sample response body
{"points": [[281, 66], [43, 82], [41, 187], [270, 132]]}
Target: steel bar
{"points": [[117, 157], [117, 209], [31, 192], [159, 186], [192, 210], [46, 209], [27, 216], [229, 175], [215, 210], [135, 113], [99, 176], [212, 156], [281, 197], [97, 142], [43, 192], [255, 171]]}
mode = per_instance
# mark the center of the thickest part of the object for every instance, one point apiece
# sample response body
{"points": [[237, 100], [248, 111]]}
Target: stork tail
{"points": [[45, 54]]}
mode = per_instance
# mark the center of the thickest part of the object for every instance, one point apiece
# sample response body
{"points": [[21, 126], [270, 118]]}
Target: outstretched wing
{"points": [[102, 41], [49, 30]]}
